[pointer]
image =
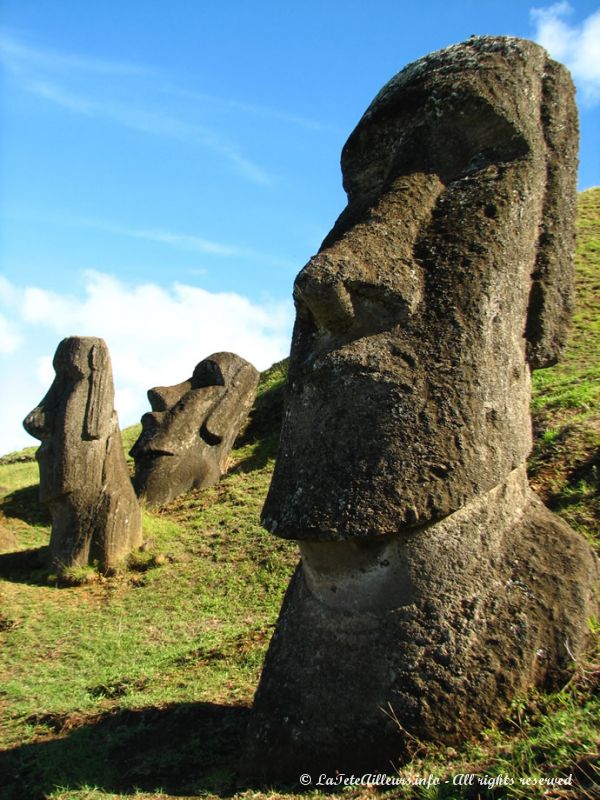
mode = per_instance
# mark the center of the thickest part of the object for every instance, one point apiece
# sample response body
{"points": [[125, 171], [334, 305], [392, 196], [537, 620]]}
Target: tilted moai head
{"points": [[427, 595], [186, 439], [446, 278], [83, 474]]}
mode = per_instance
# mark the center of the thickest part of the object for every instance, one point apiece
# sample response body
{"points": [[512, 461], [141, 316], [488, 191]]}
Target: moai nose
{"points": [[151, 423], [35, 423], [162, 398], [324, 294]]}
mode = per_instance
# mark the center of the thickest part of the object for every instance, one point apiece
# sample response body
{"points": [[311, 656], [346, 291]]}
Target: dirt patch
{"points": [[8, 540]]}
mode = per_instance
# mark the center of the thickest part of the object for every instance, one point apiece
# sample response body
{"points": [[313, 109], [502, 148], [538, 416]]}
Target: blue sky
{"points": [[167, 168]]}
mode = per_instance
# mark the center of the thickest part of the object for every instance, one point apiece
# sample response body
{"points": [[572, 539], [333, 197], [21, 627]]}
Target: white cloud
{"points": [[44, 370], [156, 336], [10, 335], [8, 293], [10, 338], [578, 46]]}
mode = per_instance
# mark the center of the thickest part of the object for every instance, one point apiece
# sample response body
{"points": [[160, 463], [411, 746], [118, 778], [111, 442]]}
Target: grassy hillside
{"points": [[565, 463], [139, 685]]}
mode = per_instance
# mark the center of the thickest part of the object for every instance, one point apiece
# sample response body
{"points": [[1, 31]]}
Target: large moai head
{"points": [[83, 474], [443, 282], [186, 439], [427, 595]]}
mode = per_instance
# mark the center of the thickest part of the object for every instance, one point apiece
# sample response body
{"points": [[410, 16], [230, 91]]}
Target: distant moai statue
{"points": [[84, 479], [186, 439], [433, 584]]}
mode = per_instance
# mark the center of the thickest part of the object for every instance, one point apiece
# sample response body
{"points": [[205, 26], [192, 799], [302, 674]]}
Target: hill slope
{"points": [[140, 684]]}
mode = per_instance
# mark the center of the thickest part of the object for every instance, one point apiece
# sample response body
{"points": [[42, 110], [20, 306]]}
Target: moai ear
{"points": [[98, 413], [550, 298]]}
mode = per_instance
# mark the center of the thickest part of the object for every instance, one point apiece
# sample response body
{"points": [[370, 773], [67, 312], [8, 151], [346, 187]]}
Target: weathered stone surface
{"points": [[438, 629], [428, 588], [408, 390], [186, 439], [83, 473]]}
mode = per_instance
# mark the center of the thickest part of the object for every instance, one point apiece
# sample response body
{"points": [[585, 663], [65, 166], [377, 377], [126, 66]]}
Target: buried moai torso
{"points": [[428, 593], [83, 474], [186, 439]]}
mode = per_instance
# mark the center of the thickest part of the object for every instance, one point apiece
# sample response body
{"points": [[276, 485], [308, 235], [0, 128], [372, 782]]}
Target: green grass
{"points": [[565, 463], [139, 685], [27, 454], [129, 437], [17, 476]]}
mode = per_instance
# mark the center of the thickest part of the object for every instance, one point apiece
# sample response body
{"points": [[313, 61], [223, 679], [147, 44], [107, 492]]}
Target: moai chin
{"points": [[186, 439], [84, 479], [433, 585]]}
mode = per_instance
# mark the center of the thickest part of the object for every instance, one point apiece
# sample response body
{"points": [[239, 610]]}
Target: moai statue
{"points": [[186, 439], [84, 479], [433, 584]]}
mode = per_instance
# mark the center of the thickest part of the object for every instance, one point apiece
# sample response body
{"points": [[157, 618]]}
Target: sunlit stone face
{"points": [[74, 419], [408, 389], [192, 425], [170, 448]]}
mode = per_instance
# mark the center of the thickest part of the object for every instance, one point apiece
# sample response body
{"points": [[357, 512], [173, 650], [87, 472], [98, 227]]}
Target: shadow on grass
{"points": [[265, 450], [25, 566], [181, 750], [25, 505], [587, 473], [588, 470]]}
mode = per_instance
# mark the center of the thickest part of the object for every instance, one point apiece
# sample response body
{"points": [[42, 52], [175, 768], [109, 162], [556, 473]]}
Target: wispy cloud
{"points": [[149, 122], [253, 109], [21, 57], [190, 242], [184, 241], [47, 74], [50, 74], [578, 46], [18, 56]]}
